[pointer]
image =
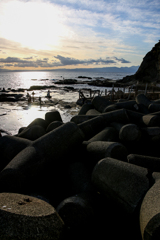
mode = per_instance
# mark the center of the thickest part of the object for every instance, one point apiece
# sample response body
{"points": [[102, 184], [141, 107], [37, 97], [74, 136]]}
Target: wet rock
{"points": [[67, 81]]}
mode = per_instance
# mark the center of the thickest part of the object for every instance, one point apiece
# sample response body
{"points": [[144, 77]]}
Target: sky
{"points": [[54, 34]]}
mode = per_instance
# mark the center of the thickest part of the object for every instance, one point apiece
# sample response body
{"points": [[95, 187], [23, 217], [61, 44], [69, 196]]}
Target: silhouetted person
{"points": [[29, 99], [40, 100], [33, 96]]}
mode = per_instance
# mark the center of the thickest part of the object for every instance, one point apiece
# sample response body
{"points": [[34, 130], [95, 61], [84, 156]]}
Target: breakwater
{"points": [[92, 175]]}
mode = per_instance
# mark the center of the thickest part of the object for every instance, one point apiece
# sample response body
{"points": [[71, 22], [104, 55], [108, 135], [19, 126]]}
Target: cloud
{"points": [[62, 61], [65, 61], [121, 60]]}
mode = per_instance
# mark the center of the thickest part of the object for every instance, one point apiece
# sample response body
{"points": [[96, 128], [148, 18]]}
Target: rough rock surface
{"points": [[149, 70]]}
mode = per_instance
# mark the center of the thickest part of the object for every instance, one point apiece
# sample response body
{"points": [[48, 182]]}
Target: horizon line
{"points": [[68, 69]]}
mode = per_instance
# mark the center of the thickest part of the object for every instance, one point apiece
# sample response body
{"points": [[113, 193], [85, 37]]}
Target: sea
{"points": [[16, 115], [22, 79]]}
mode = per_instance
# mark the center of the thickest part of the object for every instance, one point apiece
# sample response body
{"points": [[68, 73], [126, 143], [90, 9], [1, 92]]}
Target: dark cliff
{"points": [[149, 70]]}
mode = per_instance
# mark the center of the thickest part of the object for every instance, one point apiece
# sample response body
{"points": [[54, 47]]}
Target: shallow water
{"points": [[16, 115]]}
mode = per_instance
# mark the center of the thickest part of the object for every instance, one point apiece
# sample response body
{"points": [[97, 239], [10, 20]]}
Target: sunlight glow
{"points": [[35, 25]]}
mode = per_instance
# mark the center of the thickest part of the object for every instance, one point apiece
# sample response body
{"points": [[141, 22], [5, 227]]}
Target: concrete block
{"points": [[122, 182], [26, 217], [101, 149], [100, 103], [107, 134], [150, 212], [53, 125], [52, 116], [32, 133], [29, 165], [150, 120], [127, 132], [142, 99]]}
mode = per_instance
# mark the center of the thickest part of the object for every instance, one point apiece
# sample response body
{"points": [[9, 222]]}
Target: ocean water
{"points": [[15, 80], [16, 115]]}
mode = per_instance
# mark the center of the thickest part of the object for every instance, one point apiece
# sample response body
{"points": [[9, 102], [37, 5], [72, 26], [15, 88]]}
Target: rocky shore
{"points": [[96, 175]]}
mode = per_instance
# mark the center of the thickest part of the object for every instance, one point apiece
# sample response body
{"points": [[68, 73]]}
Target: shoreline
{"points": [[16, 112]]}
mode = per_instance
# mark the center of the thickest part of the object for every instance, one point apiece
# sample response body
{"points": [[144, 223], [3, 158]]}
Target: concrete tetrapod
{"points": [[122, 182], [10, 146], [32, 133], [85, 108], [102, 149], [151, 120], [25, 217], [53, 125], [53, 116], [119, 115], [154, 107], [38, 121], [142, 99], [150, 212], [27, 166], [92, 126], [135, 117], [119, 105], [127, 132], [107, 134], [78, 215], [92, 112], [152, 163], [100, 103]]}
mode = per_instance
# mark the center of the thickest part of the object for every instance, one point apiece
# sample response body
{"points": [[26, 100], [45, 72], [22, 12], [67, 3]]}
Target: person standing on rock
{"points": [[33, 96], [40, 100], [48, 94], [29, 99]]}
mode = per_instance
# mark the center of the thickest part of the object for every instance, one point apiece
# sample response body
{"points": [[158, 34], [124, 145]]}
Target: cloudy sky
{"points": [[50, 34]]}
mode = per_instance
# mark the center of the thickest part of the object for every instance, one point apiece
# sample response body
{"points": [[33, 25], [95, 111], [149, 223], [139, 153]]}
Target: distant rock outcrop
{"points": [[149, 70]]}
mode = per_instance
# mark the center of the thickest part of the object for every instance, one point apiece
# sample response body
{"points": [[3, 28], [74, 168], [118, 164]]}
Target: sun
{"points": [[34, 25]]}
